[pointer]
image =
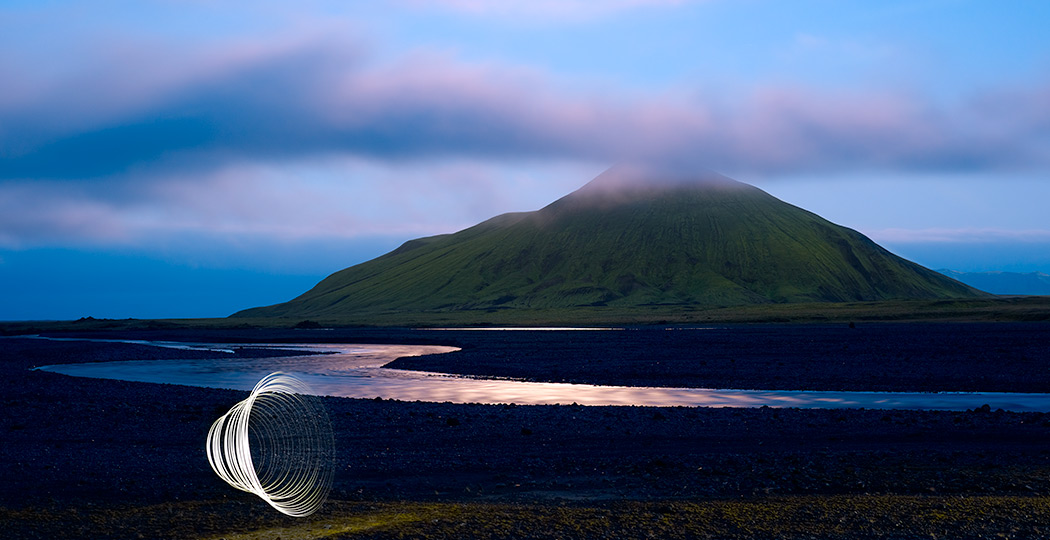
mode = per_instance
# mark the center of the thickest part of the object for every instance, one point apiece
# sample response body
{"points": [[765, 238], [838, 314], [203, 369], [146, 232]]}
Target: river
{"points": [[355, 370]]}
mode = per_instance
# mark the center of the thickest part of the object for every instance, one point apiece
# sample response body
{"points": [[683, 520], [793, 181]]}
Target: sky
{"points": [[193, 158]]}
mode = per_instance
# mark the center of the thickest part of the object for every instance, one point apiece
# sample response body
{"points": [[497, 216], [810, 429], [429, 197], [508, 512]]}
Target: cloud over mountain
{"points": [[302, 98]]}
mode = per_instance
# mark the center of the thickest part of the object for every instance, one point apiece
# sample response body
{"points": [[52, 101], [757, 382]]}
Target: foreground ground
{"points": [[106, 459]]}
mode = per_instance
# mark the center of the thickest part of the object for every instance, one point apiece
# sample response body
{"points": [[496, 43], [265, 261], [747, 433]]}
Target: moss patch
{"points": [[838, 517]]}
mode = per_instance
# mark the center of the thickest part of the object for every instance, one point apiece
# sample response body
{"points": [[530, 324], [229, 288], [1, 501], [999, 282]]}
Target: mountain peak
{"points": [[636, 182], [643, 176]]}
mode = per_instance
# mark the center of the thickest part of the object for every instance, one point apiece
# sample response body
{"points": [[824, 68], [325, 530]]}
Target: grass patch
{"points": [[1013, 309], [352, 525], [811, 516]]}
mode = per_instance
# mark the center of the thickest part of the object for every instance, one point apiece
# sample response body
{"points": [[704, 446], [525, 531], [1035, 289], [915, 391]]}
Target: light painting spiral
{"points": [[277, 444]]}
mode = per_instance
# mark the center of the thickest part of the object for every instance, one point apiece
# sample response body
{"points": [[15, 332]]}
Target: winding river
{"points": [[349, 370]]}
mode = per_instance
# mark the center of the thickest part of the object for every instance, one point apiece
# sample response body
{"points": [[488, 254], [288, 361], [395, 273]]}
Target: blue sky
{"points": [[192, 158]]}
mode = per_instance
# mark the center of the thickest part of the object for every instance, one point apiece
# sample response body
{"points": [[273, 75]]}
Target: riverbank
{"points": [[995, 309], [98, 458], [886, 357], [355, 371]]}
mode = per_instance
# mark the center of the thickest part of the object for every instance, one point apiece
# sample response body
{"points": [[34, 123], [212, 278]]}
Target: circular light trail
{"points": [[277, 444]]}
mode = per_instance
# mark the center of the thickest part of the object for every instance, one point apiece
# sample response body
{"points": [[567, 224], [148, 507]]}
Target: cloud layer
{"points": [[972, 235], [315, 133], [562, 9], [299, 99]]}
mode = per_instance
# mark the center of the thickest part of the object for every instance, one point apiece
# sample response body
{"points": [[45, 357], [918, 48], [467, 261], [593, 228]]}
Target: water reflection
{"points": [[356, 371]]}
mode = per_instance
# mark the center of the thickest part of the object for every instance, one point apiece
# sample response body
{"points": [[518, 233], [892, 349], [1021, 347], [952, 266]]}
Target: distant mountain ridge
{"points": [[631, 237], [1007, 283]]}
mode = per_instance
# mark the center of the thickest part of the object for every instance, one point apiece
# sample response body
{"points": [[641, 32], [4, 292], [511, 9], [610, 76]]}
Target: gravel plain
{"points": [[88, 458]]}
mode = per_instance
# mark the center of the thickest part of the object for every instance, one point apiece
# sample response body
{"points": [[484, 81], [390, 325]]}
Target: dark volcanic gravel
{"points": [[68, 442], [926, 357]]}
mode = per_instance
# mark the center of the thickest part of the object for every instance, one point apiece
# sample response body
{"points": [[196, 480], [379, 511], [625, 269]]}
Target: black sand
{"points": [[94, 458]]}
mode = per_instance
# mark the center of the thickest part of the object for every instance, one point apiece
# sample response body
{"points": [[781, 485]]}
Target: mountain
{"points": [[1012, 283], [633, 236]]}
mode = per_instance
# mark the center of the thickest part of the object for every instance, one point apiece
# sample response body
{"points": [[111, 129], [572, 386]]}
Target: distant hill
{"points": [[630, 237], [1036, 283]]}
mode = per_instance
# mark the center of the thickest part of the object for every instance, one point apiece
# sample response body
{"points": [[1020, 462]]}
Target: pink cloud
{"points": [[45, 213], [960, 235], [298, 97], [562, 9], [335, 199]]}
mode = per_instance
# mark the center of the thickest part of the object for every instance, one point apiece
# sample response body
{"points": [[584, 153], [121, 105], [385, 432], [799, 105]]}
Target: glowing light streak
{"points": [[277, 444]]}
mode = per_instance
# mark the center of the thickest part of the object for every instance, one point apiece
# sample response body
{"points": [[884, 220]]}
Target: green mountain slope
{"points": [[630, 237]]}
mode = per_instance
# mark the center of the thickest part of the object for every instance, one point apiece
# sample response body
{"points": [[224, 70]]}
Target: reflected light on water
{"points": [[356, 371]]}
